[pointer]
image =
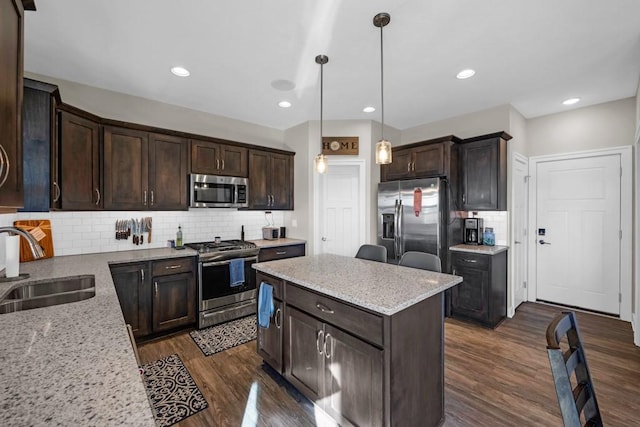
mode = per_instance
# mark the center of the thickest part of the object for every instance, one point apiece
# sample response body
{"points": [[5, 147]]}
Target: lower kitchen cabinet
{"points": [[160, 301], [270, 339], [281, 252], [482, 296]]}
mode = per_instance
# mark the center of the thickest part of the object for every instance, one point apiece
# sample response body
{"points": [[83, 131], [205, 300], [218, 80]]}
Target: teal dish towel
{"points": [[236, 272], [265, 304]]}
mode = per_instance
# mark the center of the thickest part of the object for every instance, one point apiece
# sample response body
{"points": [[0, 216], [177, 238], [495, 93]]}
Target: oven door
{"points": [[215, 288]]}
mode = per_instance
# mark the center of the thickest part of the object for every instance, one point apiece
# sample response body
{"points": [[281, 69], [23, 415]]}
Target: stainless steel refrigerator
{"points": [[414, 215]]}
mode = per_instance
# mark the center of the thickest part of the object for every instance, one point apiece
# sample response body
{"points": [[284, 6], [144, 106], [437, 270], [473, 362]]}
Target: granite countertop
{"points": [[479, 249], [382, 288], [277, 242], [73, 364]]}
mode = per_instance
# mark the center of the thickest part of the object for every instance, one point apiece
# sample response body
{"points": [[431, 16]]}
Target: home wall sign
{"points": [[342, 145]]}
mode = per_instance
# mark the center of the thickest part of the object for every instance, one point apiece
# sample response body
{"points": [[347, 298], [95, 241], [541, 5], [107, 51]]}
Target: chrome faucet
{"points": [[35, 247]]}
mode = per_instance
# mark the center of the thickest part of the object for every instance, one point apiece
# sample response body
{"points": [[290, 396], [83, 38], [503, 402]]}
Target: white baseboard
{"points": [[636, 329]]}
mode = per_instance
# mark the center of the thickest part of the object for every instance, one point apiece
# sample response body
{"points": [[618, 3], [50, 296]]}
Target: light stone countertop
{"points": [[277, 242], [479, 249], [382, 288], [73, 364]]}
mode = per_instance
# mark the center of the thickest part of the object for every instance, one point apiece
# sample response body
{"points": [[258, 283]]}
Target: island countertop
{"points": [[73, 364], [382, 288]]}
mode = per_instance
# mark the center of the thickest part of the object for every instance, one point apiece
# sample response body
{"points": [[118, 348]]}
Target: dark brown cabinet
{"points": [[270, 180], [11, 71], [156, 296], [270, 339], [281, 252], [483, 172], [144, 170], [432, 158], [76, 180], [482, 296], [211, 158]]}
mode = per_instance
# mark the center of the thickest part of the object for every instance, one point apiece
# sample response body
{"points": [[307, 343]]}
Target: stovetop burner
{"points": [[226, 249]]}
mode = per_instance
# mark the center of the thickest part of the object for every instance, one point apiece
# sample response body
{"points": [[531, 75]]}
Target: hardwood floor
{"points": [[495, 377]]}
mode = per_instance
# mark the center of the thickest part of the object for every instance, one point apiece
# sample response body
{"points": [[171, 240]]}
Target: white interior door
{"points": [[520, 209], [340, 210], [578, 232]]}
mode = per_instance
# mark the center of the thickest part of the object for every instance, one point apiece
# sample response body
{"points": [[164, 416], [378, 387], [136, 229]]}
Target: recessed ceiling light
{"points": [[283, 85], [284, 104], [368, 109], [571, 101], [180, 71], [465, 74]]}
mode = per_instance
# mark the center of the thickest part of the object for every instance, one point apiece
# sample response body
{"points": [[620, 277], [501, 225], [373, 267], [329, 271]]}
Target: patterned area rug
{"points": [[173, 393], [221, 337]]}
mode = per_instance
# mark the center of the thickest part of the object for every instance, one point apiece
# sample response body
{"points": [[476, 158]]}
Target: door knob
{"points": [[517, 242], [324, 239], [542, 242]]}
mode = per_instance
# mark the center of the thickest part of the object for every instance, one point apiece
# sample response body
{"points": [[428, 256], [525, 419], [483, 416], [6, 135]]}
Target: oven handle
{"points": [[213, 264]]}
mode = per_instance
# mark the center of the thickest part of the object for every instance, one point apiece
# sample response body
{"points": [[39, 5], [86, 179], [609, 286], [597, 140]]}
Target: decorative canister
{"points": [[488, 238]]}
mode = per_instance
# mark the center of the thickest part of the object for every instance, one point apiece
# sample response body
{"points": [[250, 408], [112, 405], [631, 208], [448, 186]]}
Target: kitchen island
{"points": [[73, 364], [363, 340]]}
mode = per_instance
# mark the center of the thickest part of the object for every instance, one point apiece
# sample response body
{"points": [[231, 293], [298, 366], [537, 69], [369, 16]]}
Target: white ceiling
{"points": [[532, 54]]}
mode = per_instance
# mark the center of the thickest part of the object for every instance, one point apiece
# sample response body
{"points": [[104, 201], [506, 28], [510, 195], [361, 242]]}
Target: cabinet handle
{"points": [[222, 162], [217, 163], [464, 198], [98, 199], [144, 198], [409, 167], [155, 285], [172, 267], [413, 166], [323, 308], [4, 165], [151, 197], [277, 318], [319, 338], [281, 253], [454, 272], [472, 261], [141, 275], [327, 351], [56, 192]]}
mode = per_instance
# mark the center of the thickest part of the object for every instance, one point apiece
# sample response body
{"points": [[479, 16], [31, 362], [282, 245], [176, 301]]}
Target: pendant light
{"points": [[383, 147], [321, 160]]}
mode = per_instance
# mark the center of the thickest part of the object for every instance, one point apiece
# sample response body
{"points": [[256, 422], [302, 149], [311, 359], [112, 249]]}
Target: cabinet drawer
{"points": [[172, 266], [281, 252], [470, 260], [351, 319], [278, 284]]}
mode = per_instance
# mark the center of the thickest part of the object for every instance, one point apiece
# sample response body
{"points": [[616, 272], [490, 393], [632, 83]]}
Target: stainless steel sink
{"points": [[47, 293]]}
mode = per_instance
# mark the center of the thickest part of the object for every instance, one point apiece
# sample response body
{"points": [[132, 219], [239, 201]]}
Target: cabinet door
{"points": [[480, 169], [174, 301], [471, 297], [281, 181], [428, 161], [303, 353], [353, 379], [167, 172], [11, 70], [205, 157], [132, 283], [79, 158], [400, 167], [126, 173], [259, 188], [233, 161], [270, 339]]}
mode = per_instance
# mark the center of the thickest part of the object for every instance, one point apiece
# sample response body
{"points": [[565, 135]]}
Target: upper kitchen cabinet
{"points": [[144, 170], [11, 71], [270, 180], [212, 158], [426, 159], [39, 129], [483, 172], [76, 163]]}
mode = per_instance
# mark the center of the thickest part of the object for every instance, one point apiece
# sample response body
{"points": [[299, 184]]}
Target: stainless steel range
{"points": [[218, 300]]}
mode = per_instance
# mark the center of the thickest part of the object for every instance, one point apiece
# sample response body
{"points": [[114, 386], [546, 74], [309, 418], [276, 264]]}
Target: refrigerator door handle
{"points": [[400, 250], [396, 233]]}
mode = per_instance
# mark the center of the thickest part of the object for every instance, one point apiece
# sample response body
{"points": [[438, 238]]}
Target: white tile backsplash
{"points": [[91, 232], [499, 221]]}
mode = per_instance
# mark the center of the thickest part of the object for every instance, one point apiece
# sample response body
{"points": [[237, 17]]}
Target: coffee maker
{"points": [[473, 230]]}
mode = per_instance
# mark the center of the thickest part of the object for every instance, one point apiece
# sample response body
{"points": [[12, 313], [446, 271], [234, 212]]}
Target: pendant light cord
{"points": [[321, 99], [381, 83]]}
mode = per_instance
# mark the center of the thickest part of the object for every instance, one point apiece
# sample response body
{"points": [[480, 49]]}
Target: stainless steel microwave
{"points": [[212, 191]]}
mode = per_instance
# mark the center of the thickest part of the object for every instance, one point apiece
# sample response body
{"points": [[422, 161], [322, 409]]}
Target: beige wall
{"points": [[607, 125], [297, 139], [119, 106]]}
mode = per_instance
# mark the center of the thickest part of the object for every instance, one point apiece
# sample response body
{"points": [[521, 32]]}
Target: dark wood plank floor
{"points": [[495, 377]]}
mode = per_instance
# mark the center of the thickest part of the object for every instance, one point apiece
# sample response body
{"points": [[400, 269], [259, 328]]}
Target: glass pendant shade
{"points": [[321, 163], [383, 152]]}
